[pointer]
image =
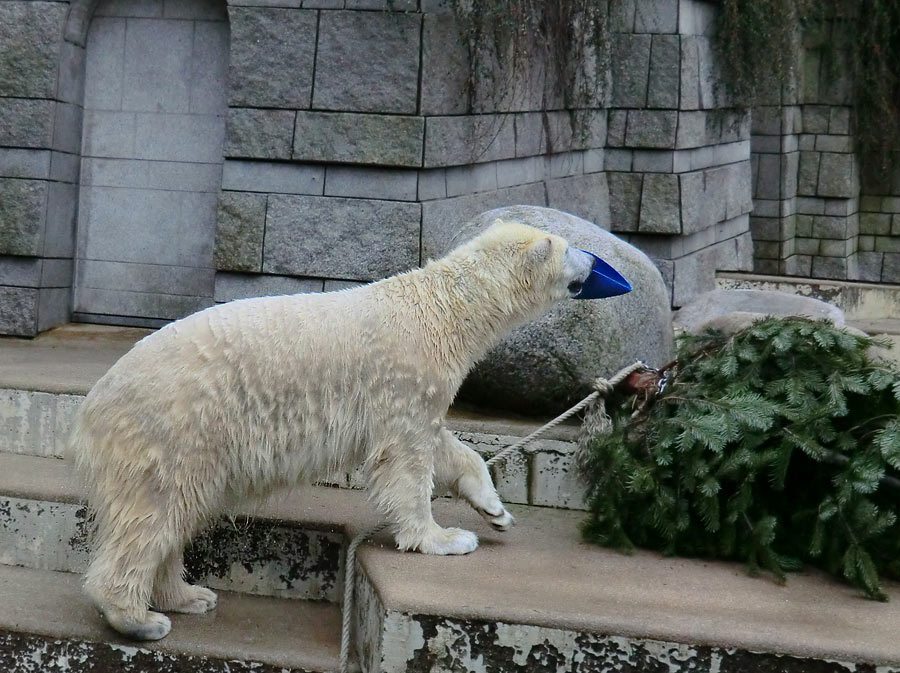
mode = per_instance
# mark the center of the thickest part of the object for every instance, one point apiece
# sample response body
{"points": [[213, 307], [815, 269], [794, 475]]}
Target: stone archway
{"points": [[154, 106]]}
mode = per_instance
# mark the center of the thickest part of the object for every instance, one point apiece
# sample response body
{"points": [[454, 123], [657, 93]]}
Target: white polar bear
{"points": [[238, 399]]}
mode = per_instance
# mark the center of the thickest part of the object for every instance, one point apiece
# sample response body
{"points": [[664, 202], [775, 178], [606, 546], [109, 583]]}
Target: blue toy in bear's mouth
{"points": [[604, 281]]}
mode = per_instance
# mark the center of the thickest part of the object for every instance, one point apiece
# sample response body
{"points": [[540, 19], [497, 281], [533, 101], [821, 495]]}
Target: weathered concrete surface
{"points": [[35, 423], [68, 359], [538, 582], [254, 556], [541, 574], [47, 620]]}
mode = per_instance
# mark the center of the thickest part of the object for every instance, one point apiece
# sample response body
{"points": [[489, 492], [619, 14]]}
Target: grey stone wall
{"points": [[351, 149], [40, 126], [812, 215], [678, 152]]}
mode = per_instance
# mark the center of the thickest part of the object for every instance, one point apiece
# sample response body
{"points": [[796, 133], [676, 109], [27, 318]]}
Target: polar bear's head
{"points": [[524, 268]]}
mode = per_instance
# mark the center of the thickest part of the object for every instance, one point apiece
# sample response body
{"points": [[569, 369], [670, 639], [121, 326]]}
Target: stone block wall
{"points": [[812, 214], [351, 150], [678, 152], [40, 131], [369, 158]]}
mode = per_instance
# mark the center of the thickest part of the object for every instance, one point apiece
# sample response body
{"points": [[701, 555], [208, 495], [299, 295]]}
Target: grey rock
{"points": [[231, 286], [833, 268], [665, 70], [24, 163], [618, 120], [353, 239], [808, 174], [367, 62], [693, 274], [660, 207], [704, 198], [695, 316], [21, 271], [442, 219], [695, 129], [240, 226], [546, 366], [30, 35], [585, 196], [690, 73], [890, 272], [838, 175], [22, 209], [53, 307], [630, 67], [624, 200], [371, 183], [26, 123], [271, 176], [869, 267], [272, 55], [259, 134], [651, 128], [18, 311], [815, 118], [452, 141], [387, 140], [445, 64], [656, 16]]}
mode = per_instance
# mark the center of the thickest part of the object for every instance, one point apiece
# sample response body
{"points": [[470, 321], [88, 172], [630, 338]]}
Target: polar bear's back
{"points": [[259, 390]]}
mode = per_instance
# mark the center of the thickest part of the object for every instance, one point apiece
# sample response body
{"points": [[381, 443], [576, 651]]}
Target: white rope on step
{"points": [[602, 388]]}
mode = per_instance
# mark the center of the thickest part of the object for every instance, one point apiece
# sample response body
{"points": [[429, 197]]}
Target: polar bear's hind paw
{"points": [[153, 626], [200, 601]]}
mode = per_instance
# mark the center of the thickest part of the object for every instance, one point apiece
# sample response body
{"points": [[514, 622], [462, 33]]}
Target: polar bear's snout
{"points": [[577, 266], [599, 281]]}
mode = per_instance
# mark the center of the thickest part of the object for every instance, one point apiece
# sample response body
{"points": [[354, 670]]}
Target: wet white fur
{"points": [[233, 401]]}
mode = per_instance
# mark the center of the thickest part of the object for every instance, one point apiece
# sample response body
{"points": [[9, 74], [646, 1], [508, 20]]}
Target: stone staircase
{"points": [[533, 599]]}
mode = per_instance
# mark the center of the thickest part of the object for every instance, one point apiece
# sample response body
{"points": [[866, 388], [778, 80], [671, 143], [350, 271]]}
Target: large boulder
{"points": [[548, 365], [732, 310]]}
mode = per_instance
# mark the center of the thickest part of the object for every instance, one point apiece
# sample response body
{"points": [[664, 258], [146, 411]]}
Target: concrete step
{"points": [[291, 546], [858, 301], [536, 598], [43, 380], [46, 624], [540, 599]]}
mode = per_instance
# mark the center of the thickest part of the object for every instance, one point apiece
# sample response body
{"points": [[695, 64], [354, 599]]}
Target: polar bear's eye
{"points": [[575, 287]]}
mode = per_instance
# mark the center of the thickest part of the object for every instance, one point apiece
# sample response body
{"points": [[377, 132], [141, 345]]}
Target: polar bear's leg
{"points": [[172, 594], [119, 581], [401, 485], [135, 536], [459, 469]]}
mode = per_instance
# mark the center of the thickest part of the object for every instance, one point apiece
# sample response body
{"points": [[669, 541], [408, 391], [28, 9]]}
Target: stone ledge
{"points": [[540, 583]]}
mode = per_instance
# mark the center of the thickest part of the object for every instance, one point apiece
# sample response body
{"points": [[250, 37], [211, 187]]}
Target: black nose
{"points": [[575, 287]]}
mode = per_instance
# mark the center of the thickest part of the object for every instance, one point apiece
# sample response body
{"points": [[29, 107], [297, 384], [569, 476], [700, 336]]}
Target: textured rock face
{"points": [[546, 366], [732, 310]]}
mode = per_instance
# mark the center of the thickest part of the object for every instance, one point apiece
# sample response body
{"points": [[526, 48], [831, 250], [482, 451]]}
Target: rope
{"points": [[602, 388]]}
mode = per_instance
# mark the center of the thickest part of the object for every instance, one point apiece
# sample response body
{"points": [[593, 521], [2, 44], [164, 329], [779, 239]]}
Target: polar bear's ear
{"points": [[542, 248], [496, 223]]}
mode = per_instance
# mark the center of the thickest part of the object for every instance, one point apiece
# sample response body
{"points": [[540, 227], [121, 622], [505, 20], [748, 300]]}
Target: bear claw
{"points": [[502, 521]]}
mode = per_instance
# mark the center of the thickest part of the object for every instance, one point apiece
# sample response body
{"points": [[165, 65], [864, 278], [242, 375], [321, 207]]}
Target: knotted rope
{"points": [[595, 420]]}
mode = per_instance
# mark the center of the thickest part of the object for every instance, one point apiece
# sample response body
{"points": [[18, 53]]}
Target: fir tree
{"points": [[777, 445]]}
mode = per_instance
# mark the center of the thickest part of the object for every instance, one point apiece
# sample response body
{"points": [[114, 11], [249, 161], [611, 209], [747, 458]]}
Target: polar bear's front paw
{"points": [[445, 541], [502, 521]]}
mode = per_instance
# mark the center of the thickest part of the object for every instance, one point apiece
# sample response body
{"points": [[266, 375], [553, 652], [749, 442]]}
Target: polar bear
{"points": [[236, 400]]}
